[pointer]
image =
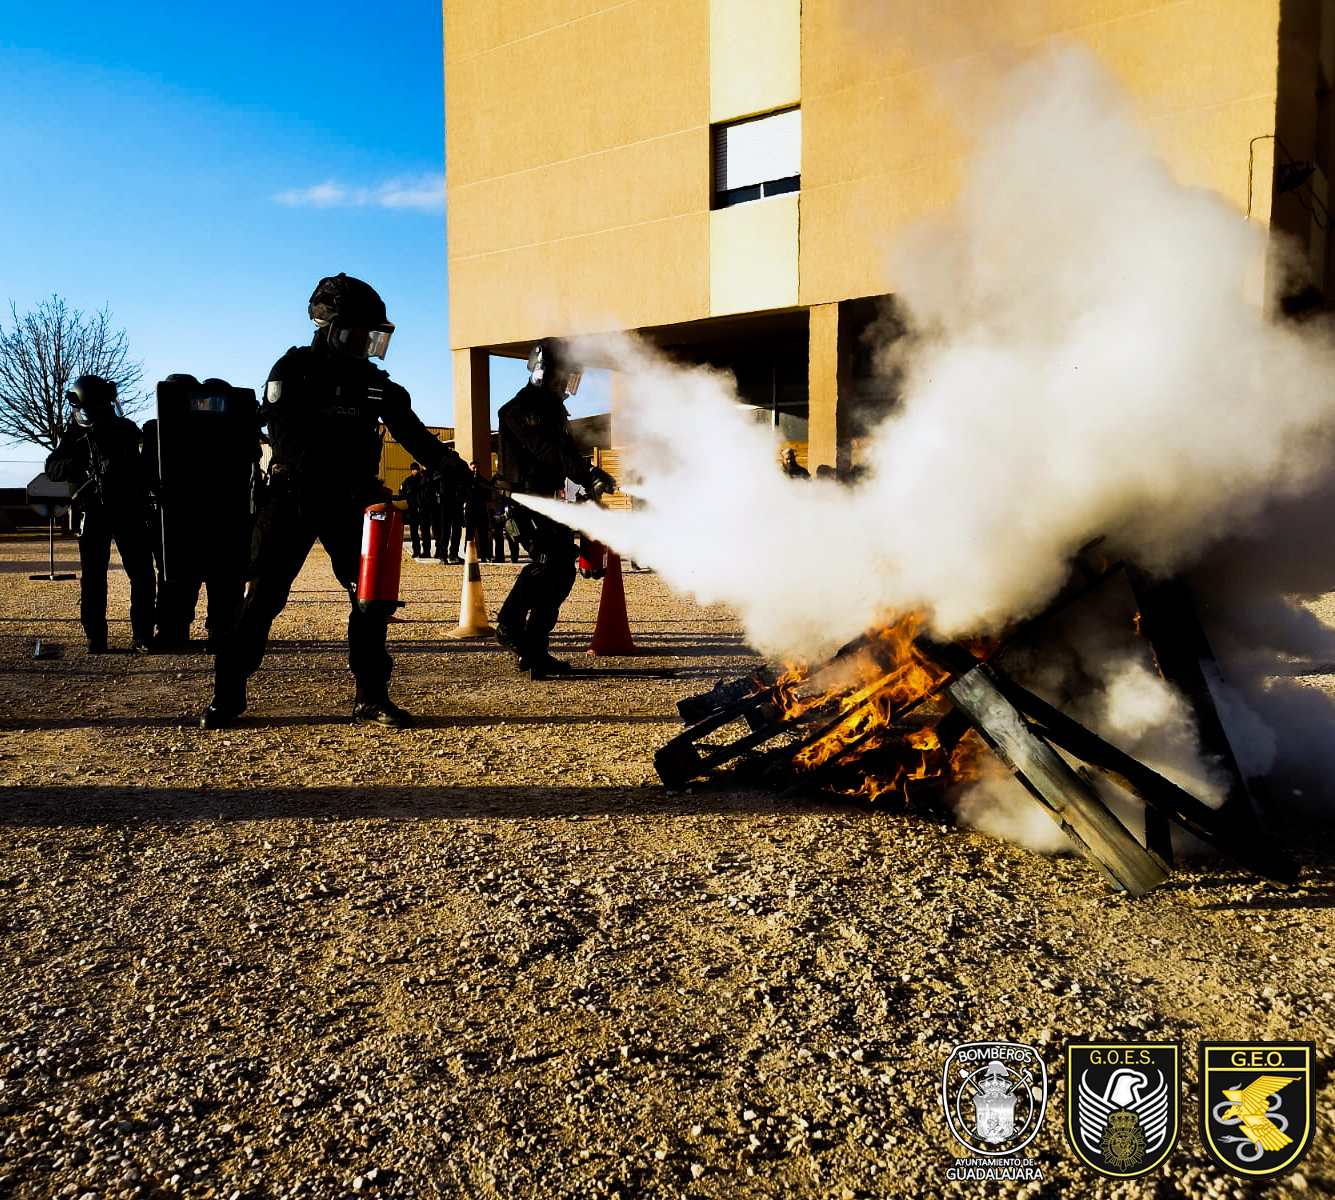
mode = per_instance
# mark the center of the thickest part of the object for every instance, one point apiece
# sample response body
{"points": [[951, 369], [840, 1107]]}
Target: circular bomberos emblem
{"points": [[994, 1095]]}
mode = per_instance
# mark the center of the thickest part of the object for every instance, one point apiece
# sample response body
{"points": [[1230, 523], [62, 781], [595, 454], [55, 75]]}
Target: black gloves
{"points": [[600, 483]]}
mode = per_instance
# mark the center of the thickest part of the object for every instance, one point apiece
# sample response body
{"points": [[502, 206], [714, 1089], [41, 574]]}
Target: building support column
{"points": [[827, 375], [472, 408], [619, 396]]}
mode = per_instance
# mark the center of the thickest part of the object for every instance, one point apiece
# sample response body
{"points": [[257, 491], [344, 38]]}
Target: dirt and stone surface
{"points": [[491, 956]]}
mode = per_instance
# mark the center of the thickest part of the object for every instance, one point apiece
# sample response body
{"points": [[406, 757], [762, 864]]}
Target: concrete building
{"points": [[720, 174]]}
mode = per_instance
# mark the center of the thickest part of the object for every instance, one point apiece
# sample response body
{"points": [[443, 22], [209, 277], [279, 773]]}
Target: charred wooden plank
{"points": [[897, 729], [677, 762], [1123, 861], [1159, 835], [1246, 843], [725, 694], [672, 761], [1171, 625]]}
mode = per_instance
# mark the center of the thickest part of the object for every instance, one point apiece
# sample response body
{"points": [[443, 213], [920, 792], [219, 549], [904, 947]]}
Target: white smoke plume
{"points": [[1088, 356]]}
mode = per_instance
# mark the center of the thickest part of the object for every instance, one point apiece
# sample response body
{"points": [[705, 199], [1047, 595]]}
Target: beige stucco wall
{"points": [[885, 137], [755, 59], [753, 256], [579, 158], [575, 131]]}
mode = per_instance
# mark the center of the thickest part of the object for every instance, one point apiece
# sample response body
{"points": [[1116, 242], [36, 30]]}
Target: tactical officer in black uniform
{"points": [[213, 529], [449, 516], [98, 455], [323, 405], [537, 455], [413, 492]]}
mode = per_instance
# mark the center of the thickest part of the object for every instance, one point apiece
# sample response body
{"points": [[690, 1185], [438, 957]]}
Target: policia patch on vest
{"points": [[1122, 1110], [1257, 1102]]}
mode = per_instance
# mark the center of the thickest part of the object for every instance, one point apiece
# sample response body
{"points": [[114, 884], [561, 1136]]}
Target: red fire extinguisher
{"points": [[592, 558], [382, 558]]}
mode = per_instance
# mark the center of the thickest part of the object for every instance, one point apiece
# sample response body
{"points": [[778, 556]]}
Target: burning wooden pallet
{"points": [[895, 708]]}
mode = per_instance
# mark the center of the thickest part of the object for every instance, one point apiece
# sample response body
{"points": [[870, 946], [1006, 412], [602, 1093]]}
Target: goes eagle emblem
{"points": [[1122, 1105]]}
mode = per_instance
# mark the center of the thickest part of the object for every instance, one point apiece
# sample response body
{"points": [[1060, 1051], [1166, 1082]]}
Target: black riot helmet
{"points": [[91, 398], [553, 367], [352, 315]]}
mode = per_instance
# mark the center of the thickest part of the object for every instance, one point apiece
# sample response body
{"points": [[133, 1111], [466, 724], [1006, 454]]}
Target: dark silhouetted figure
{"points": [[413, 492], [203, 466], [323, 406], [98, 455], [452, 503], [537, 455]]}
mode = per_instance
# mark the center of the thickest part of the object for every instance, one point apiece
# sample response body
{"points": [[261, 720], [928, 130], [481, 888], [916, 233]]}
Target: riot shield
{"points": [[207, 444]]}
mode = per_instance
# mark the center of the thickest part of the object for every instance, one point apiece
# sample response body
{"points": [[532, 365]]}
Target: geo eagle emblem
{"points": [[1122, 1112], [1257, 1105]]}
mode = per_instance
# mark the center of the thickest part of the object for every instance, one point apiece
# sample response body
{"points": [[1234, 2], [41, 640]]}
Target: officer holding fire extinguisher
{"points": [[323, 405], [537, 455]]}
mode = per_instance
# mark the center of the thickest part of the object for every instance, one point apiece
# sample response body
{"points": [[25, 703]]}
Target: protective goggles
{"points": [[85, 413], [361, 343]]}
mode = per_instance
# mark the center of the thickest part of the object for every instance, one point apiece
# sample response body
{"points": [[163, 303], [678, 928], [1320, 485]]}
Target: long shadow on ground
{"points": [[96, 805]]}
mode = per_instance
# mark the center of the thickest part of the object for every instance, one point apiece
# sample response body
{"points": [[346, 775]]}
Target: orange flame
{"points": [[887, 676]]}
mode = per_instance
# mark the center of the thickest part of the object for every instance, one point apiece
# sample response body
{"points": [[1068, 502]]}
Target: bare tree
{"points": [[47, 349]]}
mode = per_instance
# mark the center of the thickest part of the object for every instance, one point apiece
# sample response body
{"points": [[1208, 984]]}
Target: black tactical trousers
{"points": [[453, 525], [440, 530], [293, 518], [530, 611], [419, 530], [178, 601], [501, 535], [128, 528]]}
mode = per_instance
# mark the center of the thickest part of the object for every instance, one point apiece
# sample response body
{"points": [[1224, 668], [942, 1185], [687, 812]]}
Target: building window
{"points": [[757, 158]]}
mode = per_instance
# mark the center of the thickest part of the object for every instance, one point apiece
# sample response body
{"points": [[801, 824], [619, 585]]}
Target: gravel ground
{"points": [[491, 956]]}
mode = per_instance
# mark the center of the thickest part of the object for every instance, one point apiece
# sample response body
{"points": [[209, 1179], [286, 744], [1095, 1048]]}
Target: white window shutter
{"points": [[758, 151]]}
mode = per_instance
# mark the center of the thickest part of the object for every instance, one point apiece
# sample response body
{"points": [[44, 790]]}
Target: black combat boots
{"points": [[228, 703], [375, 705], [509, 638]]}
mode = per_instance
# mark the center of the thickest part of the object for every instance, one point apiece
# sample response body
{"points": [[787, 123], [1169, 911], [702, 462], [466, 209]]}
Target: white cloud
{"points": [[424, 193]]}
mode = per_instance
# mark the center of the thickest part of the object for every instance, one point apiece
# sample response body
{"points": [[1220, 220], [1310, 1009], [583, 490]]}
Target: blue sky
{"points": [[197, 169]]}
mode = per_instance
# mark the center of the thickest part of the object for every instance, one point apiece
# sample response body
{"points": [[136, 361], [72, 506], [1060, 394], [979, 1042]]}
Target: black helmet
{"points": [[91, 398], [353, 315], [553, 367]]}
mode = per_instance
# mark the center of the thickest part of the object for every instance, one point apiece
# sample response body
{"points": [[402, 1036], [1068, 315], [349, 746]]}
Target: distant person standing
{"points": [[791, 467], [537, 455], [447, 508], [477, 518], [453, 502], [500, 528], [412, 492], [99, 456]]}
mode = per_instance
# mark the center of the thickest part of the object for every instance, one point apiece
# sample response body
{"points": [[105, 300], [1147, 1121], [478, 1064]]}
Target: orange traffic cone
{"points": [[472, 606], [611, 635]]}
